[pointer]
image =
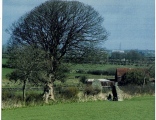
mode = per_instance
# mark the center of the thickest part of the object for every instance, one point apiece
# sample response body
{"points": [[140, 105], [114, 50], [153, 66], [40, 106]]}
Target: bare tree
{"points": [[59, 27]]}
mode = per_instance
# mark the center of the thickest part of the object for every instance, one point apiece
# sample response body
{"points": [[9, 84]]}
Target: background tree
{"points": [[94, 55], [133, 56], [136, 76], [117, 56], [59, 27]]}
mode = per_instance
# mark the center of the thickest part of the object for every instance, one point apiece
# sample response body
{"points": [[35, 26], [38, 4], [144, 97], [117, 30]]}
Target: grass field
{"points": [[139, 108], [98, 66]]}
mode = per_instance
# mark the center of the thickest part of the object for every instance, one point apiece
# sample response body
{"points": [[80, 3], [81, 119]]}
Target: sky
{"points": [[130, 23]]}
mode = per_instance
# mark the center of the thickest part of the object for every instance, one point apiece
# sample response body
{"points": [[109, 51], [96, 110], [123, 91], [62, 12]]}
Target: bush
{"points": [[83, 79], [70, 92], [134, 89], [92, 90], [8, 94], [88, 90], [33, 98]]}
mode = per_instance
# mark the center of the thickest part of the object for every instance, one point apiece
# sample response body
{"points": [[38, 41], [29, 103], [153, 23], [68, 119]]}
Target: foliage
{"points": [[93, 89], [135, 76], [94, 55], [7, 94], [33, 97], [134, 55], [83, 79], [70, 92], [151, 71], [88, 90], [117, 55], [131, 55], [138, 90], [27, 61], [28, 65]]}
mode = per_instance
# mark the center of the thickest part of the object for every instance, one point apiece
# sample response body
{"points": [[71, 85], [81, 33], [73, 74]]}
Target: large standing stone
{"points": [[114, 92]]}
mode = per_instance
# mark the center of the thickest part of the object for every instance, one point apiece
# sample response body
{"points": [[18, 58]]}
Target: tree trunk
{"points": [[51, 91], [24, 90], [144, 82], [48, 92], [50, 84], [52, 76]]}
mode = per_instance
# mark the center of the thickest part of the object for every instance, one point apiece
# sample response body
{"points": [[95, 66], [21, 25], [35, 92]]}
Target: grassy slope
{"points": [[141, 108]]}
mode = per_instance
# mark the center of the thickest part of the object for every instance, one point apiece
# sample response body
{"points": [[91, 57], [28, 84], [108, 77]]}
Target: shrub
{"points": [[134, 89], [88, 90], [10, 94], [70, 92], [93, 89], [96, 90], [6, 94], [83, 79], [33, 97]]}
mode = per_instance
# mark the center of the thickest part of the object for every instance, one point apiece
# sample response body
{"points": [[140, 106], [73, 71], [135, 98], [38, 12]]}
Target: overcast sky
{"points": [[129, 22]]}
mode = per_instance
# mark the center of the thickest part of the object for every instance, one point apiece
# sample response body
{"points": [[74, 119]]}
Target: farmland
{"points": [[75, 70], [134, 109]]}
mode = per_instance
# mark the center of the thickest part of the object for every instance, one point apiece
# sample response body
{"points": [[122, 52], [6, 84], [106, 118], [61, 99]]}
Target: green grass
{"points": [[141, 108], [98, 66]]}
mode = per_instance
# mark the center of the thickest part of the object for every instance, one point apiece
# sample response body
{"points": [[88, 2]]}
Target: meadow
{"points": [[138, 108]]}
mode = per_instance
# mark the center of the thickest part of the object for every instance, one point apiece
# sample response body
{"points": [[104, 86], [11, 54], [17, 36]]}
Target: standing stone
{"points": [[114, 92], [119, 93]]}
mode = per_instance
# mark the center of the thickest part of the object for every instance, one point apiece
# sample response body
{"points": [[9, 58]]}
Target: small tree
{"points": [[28, 63]]}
